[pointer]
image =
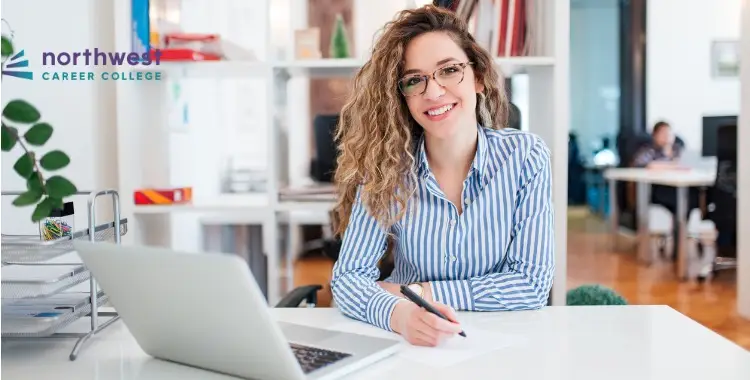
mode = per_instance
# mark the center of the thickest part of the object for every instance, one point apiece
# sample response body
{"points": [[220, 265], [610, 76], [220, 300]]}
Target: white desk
{"points": [[576, 343], [644, 178]]}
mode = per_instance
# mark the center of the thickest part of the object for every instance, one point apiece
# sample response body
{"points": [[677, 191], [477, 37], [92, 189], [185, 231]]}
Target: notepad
{"points": [[478, 342]]}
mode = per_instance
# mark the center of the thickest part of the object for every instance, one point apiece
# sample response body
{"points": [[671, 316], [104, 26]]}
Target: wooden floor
{"points": [[593, 257]]}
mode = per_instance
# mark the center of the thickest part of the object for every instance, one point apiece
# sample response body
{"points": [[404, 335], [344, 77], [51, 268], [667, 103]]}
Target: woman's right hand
{"points": [[422, 328]]}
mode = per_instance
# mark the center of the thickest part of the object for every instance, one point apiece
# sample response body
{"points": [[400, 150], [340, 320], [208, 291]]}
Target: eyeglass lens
{"points": [[445, 76]]}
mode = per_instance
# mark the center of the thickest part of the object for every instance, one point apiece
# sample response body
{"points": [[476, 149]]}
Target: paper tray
{"points": [[42, 280], [43, 324], [31, 249]]}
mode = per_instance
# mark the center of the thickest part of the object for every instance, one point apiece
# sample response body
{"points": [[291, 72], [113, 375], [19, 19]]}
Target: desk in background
{"points": [[576, 343], [644, 178]]}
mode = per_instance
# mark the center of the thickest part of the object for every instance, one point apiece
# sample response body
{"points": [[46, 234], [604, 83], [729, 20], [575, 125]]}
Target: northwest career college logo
{"points": [[18, 60]]}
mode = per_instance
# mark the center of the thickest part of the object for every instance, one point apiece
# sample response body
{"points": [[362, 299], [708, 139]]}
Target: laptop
{"points": [[206, 310]]}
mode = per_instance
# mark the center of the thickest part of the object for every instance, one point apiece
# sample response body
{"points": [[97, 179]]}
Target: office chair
{"points": [[308, 294], [322, 169], [722, 201]]}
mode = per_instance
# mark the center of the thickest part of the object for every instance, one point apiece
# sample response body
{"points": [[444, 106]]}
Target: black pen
{"points": [[423, 304]]}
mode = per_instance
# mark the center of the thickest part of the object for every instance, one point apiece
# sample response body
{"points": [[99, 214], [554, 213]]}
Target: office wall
{"points": [[594, 70], [679, 85], [82, 112], [743, 202]]}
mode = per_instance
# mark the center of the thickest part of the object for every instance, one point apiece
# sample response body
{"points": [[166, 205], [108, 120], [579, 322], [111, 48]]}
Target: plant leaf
{"points": [[28, 198], [21, 111], [24, 166], [60, 187], [38, 134], [35, 182], [57, 203], [7, 47], [54, 160], [9, 137], [42, 210]]}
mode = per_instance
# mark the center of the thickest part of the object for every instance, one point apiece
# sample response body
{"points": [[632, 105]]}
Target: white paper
{"points": [[478, 342]]}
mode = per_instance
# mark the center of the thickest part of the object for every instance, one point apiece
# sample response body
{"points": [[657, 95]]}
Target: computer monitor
{"points": [[323, 166], [711, 125]]}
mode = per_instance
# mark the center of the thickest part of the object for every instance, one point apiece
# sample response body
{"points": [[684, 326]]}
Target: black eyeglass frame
{"points": [[432, 76]]}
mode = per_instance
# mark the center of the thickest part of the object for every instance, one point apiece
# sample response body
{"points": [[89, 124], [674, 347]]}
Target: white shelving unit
{"points": [[154, 151]]}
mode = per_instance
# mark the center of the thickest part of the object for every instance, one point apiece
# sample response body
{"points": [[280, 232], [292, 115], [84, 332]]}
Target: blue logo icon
{"points": [[18, 60], [15, 62]]}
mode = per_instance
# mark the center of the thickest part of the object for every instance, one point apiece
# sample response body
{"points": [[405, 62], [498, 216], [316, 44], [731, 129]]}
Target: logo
{"points": [[85, 65], [18, 60]]}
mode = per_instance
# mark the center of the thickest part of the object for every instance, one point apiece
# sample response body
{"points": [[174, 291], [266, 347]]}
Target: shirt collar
{"points": [[477, 165]]}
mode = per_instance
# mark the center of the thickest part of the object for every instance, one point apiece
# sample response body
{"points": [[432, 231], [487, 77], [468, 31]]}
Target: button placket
{"points": [[454, 230]]}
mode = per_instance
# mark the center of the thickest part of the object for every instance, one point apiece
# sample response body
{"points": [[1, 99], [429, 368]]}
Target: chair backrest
{"points": [[723, 194], [324, 164], [628, 147]]}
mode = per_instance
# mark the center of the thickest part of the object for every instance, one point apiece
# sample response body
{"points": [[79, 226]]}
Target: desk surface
{"points": [[668, 177], [580, 343]]}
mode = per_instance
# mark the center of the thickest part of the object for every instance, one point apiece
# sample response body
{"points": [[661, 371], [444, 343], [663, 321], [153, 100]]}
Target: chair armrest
{"points": [[307, 293]]}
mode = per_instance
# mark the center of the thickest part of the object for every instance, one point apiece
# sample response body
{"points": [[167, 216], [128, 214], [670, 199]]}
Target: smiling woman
{"points": [[426, 160]]}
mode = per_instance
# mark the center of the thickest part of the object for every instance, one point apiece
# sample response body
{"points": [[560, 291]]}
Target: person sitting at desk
{"points": [[664, 153], [426, 160]]}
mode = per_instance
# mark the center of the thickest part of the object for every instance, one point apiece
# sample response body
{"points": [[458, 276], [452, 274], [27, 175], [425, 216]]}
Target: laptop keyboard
{"points": [[312, 358]]}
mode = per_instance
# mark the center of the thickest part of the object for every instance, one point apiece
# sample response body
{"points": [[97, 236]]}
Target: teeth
{"points": [[440, 111]]}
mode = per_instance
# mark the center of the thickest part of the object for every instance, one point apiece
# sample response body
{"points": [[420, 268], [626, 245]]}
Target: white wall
{"points": [[679, 87], [82, 113], [594, 71], [369, 18], [743, 203]]}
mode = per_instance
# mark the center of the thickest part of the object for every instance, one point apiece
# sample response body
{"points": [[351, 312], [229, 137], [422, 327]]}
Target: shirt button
{"points": [[453, 258], [467, 201], [453, 222]]}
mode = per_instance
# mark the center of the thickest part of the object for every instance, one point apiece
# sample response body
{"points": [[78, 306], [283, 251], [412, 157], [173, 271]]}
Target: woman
{"points": [[425, 160]]}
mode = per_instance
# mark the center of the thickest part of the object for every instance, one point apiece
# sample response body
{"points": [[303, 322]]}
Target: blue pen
{"points": [[423, 304]]}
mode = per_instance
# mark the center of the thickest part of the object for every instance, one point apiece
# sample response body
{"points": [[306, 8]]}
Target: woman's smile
{"points": [[440, 112]]}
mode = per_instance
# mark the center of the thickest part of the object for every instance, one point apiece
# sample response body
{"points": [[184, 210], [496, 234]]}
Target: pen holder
{"points": [[59, 223]]}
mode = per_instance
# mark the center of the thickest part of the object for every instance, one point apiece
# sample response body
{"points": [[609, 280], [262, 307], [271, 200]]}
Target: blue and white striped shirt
{"points": [[497, 255]]}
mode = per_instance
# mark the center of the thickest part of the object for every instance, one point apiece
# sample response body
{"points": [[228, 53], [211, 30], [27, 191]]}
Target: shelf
{"points": [[198, 69], [306, 206], [513, 65], [225, 202], [40, 280], [347, 67], [20, 249], [344, 67], [41, 322]]}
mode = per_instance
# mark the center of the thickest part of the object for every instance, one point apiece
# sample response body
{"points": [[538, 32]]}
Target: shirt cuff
{"points": [[456, 294], [380, 309]]}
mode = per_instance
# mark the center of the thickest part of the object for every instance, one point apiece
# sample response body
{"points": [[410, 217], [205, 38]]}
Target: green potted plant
{"points": [[339, 41], [23, 128]]}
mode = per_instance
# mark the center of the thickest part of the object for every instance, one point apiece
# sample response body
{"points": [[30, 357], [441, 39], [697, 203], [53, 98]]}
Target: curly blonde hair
{"points": [[377, 135]]}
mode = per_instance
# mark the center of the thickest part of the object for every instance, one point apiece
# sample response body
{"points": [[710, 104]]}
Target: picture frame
{"points": [[307, 43], [725, 59]]}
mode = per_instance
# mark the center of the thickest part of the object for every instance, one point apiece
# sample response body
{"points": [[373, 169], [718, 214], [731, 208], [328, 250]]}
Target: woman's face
{"points": [[440, 87], [664, 136]]}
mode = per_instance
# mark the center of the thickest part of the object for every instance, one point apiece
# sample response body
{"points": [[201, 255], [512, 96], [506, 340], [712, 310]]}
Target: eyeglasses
{"points": [[449, 75]]}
